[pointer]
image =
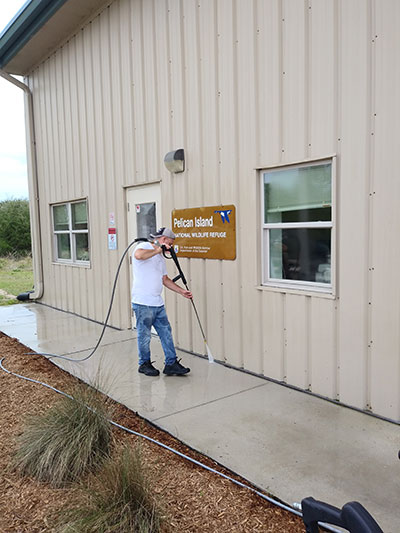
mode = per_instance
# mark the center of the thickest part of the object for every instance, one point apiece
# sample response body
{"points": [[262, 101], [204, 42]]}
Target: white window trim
{"points": [[71, 232], [298, 286]]}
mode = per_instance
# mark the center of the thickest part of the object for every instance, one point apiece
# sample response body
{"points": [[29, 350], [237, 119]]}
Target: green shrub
{"points": [[15, 234], [67, 441], [16, 276], [120, 501]]}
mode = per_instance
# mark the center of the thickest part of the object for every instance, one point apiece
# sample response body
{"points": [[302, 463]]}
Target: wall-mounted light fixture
{"points": [[175, 161]]}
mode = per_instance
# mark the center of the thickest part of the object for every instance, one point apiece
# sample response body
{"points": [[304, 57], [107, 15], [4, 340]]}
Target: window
{"points": [[297, 226], [71, 234], [146, 219]]}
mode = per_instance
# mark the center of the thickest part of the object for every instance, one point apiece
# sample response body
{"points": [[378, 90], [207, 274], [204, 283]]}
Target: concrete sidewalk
{"points": [[290, 443]]}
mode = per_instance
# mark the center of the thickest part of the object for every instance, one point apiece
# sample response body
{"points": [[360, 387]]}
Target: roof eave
{"points": [[24, 26]]}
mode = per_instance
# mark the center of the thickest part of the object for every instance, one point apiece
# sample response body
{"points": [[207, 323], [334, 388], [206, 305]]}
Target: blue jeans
{"points": [[147, 316]]}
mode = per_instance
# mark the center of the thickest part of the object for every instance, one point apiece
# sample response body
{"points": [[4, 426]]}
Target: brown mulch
{"points": [[194, 499]]}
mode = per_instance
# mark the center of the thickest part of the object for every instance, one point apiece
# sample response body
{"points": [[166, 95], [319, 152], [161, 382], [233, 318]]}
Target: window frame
{"points": [[72, 235], [298, 285]]}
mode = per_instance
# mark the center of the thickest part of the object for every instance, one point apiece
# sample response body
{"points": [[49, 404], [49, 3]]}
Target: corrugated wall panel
{"points": [[322, 140], [98, 185], [295, 119], [269, 79], [62, 177], [237, 85], [248, 187], [232, 313], [203, 164], [139, 119], [322, 93], [92, 165], [52, 117], [81, 137], [80, 149], [353, 197], [117, 81], [125, 39], [125, 170], [297, 340], [209, 100], [176, 76], [65, 124], [49, 193], [72, 168], [272, 327], [209, 72], [150, 91], [162, 67], [40, 125], [177, 91], [322, 348], [384, 342], [268, 33], [80, 122], [110, 100], [228, 157], [192, 181]]}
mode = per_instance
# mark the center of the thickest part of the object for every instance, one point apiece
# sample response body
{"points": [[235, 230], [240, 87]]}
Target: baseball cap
{"points": [[163, 232]]}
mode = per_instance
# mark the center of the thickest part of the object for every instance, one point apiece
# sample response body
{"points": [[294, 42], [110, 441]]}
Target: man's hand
{"points": [[157, 247], [187, 294], [171, 285]]}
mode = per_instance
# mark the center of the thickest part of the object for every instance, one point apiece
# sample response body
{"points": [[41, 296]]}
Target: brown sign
{"points": [[205, 232]]}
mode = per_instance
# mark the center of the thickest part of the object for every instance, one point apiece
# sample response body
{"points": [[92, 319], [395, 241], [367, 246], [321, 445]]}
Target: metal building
{"points": [[288, 110]]}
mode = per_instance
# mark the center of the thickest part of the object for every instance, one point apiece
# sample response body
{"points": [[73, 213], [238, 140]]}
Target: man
{"points": [[149, 277]]}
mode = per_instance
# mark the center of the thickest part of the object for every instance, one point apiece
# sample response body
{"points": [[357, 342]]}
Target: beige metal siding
{"points": [[384, 253], [353, 234], [239, 85]]}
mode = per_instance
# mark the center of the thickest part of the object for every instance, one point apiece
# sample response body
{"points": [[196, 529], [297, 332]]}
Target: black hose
{"points": [[54, 356]]}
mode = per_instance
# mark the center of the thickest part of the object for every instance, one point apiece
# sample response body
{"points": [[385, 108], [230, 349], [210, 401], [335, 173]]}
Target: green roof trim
{"points": [[28, 21]]}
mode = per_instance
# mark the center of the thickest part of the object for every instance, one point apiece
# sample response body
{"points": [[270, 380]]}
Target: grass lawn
{"points": [[16, 276]]}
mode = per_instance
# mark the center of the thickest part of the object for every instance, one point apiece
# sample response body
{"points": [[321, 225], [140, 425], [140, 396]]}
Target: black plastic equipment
{"points": [[182, 277], [353, 516], [178, 266]]}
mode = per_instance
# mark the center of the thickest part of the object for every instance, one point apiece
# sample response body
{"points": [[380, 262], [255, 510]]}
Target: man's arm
{"points": [[146, 253], [174, 287]]}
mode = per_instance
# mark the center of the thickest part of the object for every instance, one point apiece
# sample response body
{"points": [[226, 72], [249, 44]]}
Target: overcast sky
{"points": [[13, 172]]}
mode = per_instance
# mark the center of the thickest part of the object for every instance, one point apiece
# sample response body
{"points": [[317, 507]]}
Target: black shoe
{"points": [[148, 369], [176, 369]]}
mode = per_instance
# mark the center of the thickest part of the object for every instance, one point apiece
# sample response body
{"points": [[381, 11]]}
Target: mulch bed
{"points": [[194, 499]]}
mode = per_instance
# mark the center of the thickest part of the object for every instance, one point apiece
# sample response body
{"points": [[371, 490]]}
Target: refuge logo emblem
{"points": [[224, 215]]}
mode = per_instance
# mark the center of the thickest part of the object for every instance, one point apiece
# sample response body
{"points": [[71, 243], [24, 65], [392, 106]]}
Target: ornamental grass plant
{"points": [[119, 499], [72, 438]]}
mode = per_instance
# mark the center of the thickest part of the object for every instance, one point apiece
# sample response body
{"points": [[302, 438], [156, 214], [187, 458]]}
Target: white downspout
{"points": [[33, 187]]}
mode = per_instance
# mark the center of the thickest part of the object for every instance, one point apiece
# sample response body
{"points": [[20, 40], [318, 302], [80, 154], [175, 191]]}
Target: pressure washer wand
{"points": [[182, 277]]}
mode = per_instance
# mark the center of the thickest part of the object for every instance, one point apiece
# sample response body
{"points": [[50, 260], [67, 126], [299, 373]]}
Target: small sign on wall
{"points": [[205, 232], [112, 238]]}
